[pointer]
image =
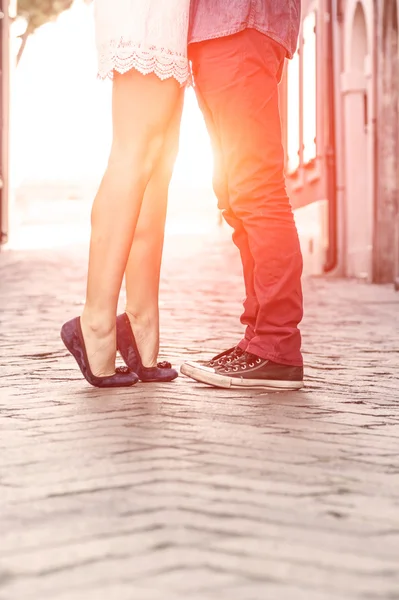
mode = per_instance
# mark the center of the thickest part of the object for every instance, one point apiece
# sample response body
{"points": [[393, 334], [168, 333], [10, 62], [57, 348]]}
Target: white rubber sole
{"points": [[208, 375]]}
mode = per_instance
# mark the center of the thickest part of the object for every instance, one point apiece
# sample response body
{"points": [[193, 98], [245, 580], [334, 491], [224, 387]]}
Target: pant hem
{"points": [[276, 358], [244, 344]]}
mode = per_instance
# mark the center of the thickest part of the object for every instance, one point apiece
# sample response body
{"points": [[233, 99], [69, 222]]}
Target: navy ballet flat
{"points": [[127, 347], [71, 335]]}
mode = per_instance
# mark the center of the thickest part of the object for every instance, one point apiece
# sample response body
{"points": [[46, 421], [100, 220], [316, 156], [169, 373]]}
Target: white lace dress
{"points": [[147, 35]]}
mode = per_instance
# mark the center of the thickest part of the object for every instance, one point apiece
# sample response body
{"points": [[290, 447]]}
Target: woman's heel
{"points": [[129, 351], [72, 336]]}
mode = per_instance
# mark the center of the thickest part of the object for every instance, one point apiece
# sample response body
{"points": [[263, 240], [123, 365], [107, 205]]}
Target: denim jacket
{"points": [[279, 19]]}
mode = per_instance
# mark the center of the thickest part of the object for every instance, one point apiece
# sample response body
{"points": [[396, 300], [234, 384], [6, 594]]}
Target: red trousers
{"points": [[236, 80]]}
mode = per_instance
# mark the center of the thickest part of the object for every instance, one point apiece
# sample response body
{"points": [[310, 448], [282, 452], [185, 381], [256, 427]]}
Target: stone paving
{"points": [[181, 491]]}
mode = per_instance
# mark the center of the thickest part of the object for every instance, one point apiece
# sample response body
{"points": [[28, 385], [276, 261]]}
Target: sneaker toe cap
{"points": [[189, 366]]}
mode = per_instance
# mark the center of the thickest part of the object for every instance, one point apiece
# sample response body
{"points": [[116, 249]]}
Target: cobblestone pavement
{"points": [[181, 491]]}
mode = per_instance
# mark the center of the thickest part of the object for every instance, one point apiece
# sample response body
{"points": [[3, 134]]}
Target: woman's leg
{"points": [[142, 109], [143, 268]]}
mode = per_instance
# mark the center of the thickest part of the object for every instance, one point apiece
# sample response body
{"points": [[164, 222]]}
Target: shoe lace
{"points": [[245, 361], [226, 357]]}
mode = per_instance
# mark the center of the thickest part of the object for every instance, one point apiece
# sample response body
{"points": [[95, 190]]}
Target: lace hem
{"points": [[124, 56]]}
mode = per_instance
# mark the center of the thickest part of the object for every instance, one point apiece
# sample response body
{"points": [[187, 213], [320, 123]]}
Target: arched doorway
{"points": [[358, 145], [387, 203]]}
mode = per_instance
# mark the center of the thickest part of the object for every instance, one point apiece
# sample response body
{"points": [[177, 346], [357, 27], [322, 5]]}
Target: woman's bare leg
{"points": [[144, 265], [142, 109]]}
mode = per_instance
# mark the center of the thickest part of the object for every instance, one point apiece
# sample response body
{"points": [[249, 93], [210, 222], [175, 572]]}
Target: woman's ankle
{"points": [[148, 319], [145, 328], [100, 323]]}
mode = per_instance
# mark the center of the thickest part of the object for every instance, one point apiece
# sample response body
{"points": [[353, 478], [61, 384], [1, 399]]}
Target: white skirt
{"points": [[147, 35]]}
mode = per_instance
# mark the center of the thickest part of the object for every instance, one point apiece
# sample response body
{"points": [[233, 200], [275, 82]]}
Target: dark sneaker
{"points": [[247, 371], [225, 357]]}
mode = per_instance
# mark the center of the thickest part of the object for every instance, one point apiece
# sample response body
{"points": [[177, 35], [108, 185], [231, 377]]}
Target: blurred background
{"points": [[339, 102], [61, 131]]}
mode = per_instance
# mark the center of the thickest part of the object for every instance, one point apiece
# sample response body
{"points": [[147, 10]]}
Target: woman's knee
{"points": [[136, 158]]}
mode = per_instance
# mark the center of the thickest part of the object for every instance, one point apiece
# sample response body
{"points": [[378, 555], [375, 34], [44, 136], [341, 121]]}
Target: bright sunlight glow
{"points": [[61, 123]]}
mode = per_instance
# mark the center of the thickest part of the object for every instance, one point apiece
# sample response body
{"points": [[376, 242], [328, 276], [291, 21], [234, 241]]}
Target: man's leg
{"points": [[251, 305], [238, 78], [240, 237]]}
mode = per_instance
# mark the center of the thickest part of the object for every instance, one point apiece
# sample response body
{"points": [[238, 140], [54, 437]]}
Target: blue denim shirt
{"points": [[279, 19]]}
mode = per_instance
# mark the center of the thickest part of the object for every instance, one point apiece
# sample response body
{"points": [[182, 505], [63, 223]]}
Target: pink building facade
{"points": [[340, 104]]}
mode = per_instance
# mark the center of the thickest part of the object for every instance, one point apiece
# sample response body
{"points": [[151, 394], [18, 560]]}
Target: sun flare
{"points": [[61, 120]]}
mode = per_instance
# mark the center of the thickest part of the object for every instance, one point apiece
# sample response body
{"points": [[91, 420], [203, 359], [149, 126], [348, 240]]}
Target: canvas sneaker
{"points": [[247, 371]]}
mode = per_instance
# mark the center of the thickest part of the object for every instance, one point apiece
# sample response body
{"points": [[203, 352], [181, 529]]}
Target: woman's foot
{"points": [[130, 351], [72, 336], [146, 334], [100, 343]]}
